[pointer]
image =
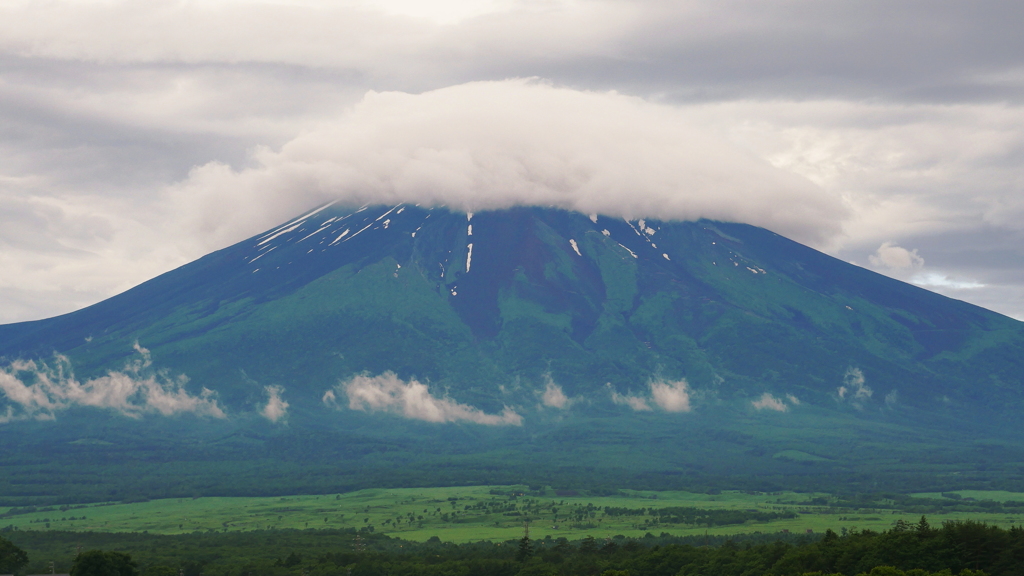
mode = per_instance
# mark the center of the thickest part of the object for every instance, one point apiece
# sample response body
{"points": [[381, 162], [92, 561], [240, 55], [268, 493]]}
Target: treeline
{"points": [[950, 502], [699, 516], [961, 547]]}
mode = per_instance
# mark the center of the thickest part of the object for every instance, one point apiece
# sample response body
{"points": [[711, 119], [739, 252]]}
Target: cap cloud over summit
{"points": [[490, 145]]}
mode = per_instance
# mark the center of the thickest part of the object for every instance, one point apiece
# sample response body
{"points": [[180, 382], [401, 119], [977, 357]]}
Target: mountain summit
{"points": [[522, 325]]}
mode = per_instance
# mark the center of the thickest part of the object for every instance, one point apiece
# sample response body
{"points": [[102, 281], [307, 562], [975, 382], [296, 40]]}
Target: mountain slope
{"points": [[541, 326]]}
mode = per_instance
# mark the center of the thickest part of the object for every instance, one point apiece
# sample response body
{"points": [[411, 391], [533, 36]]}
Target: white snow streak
{"points": [[339, 237]]}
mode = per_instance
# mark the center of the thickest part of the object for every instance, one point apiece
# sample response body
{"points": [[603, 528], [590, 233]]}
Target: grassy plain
{"points": [[466, 514]]}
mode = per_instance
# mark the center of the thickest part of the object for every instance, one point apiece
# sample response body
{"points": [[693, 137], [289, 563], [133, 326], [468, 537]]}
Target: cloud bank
{"points": [[40, 391], [412, 400], [490, 145], [666, 395], [917, 124]]}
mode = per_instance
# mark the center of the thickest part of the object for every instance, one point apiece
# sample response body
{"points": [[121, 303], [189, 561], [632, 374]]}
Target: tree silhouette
{"points": [[12, 558], [103, 563]]}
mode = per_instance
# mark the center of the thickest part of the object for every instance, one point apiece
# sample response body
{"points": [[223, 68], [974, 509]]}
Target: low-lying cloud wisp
{"points": [[670, 396], [769, 402], [491, 145], [38, 390], [554, 396], [389, 393], [854, 389], [276, 408], [637, 403]]}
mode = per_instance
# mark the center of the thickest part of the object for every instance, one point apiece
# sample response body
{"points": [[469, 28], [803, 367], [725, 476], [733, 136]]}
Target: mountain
{"points": [[402, 345]]}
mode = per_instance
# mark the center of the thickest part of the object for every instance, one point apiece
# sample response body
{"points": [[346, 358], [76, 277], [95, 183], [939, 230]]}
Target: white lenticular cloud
{"points": [[276, 408], [37, 390], [554, 397], [413, 400], [894, 257], [671, 396], [491, 145], [769, 402]]}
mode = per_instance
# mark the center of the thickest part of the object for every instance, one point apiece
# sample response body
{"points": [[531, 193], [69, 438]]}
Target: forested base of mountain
{"points": [[79, 460], [50, 485], [914, 549]]}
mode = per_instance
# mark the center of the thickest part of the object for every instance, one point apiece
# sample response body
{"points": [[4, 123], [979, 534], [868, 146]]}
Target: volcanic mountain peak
{"points": [[605, 308], [532, 328]]}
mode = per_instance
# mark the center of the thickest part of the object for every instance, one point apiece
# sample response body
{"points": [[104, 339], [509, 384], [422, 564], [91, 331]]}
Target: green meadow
{"points": [[497, 513]]}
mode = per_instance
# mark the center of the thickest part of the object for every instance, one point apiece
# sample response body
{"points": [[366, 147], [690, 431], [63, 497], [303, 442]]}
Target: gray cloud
{"points": [[118, 118], [911, 50]]}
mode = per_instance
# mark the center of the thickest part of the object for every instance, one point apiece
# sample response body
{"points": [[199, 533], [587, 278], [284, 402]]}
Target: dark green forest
{"points": [[967, 548]]}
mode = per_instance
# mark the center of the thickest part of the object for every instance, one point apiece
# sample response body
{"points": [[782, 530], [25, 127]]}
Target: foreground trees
{"points": [[908, 549], [101, 563], [12, 558]]}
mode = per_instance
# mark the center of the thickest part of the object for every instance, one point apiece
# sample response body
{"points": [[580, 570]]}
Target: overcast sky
{"points": [[136, 136]]}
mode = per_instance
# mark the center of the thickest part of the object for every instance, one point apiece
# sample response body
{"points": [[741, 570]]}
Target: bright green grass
{"points": [[380, 508]]}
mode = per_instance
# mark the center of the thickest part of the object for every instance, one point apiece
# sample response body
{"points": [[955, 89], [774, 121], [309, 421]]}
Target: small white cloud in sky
{"points": [[389, 393], [894, 257]]}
